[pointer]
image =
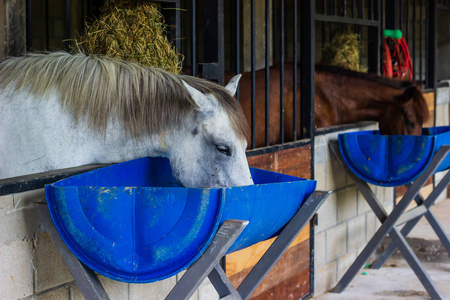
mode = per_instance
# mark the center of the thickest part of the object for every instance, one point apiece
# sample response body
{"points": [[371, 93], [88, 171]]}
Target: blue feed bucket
{"points": [[392, 160], [132, 222]]}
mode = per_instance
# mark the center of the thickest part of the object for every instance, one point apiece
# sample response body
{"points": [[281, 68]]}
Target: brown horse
{"points": [[341, 96]]}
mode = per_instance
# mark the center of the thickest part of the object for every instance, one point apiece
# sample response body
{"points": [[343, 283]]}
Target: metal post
{"points": [[214, 34], [307, 61]]}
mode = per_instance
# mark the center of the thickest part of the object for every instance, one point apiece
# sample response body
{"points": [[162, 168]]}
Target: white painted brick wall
{"points": [[51, 270], [336, 239]]}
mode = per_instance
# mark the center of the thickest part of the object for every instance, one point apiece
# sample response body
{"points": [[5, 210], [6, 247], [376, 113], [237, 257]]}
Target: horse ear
{"points": [[203, 103], [233, 84]]}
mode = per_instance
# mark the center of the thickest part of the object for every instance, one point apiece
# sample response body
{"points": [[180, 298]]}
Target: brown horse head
{"points": [[406, 114]]}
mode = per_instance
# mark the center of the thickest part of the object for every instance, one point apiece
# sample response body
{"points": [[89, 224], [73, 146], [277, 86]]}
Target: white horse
{"points": [[60, 110]]}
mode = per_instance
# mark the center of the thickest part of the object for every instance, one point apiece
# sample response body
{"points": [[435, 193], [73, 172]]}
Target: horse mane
{"points": [[144, 100], [394, 83]]}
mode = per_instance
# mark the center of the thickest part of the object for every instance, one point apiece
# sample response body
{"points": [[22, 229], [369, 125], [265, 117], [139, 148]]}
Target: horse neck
{"points": [[353, 99]]}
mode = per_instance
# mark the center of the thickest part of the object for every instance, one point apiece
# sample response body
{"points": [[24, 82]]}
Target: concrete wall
{"points": [[345, 221], [32, 268]]}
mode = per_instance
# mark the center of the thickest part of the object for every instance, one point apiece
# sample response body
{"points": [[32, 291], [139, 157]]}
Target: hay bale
{"points": [[343, 51], [133, 31]]}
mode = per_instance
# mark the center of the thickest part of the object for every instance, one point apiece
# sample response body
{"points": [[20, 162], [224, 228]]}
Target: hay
{"points": [[344, 51], [133, 31]]}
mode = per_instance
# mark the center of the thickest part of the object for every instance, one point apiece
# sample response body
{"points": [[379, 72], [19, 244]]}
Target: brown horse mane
{"points": [[394, 83]]}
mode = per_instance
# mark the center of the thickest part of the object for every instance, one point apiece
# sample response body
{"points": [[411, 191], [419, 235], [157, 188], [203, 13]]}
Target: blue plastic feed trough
{"points": [[131, 221], [392, 160]]}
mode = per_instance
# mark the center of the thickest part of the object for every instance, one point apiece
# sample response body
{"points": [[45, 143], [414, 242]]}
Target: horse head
{"points": [[209, 150], [406, 115]]}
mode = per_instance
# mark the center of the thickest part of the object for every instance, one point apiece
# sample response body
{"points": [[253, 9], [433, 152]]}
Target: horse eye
{"points": [[409, 124], [224, 149]]}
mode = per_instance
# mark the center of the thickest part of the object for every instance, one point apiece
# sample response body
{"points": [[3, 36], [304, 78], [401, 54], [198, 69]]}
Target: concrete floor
{"points": [[396, 280]]}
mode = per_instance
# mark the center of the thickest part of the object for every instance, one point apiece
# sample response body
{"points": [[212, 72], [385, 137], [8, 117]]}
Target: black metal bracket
{"points": [[396, 217], [207, 265]]}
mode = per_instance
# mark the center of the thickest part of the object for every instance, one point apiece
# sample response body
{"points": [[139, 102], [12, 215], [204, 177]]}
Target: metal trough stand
{"points": [[207, 265], [398, 217]]}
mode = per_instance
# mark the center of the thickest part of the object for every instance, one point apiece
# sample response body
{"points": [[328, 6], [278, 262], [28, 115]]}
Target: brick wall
{"points": [[345, 221], [32, 268]]}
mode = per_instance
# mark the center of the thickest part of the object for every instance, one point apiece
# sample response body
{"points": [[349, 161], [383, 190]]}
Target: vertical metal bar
{"points": [[267, 75], [400, 22], [294, 78], [29, 26], [47, 27], [371, 9], [177, 28], [252, 20], [361, 8], [220, 42], [381, 24], [431, 45], [414, 20], [391, 14], [194, 38], [373, 42], [325, 7], [67, 21], [420, 40], [353, 8], [282, 242], [307, 61], [238, 40], [345, 8], [407, 22], [282, 71]]}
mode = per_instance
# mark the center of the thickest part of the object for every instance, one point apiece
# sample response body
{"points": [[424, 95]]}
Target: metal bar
{"points": [[420, 40], [47, 27], [178, 26], [391, 14], [221, 43], [353, 8], [344, 20], [282, 41], [86, 279], [275, 148], [267, 74], [374, 42], [431, 45], [253, 65], [307, 61], [400, 17], [29, 26], [294, 75], [197, 272], [361, 8], [430, 217], [407, 22], [325, 7], [194, 38], [411, 214], [67, 21], [414, 20], [238, 42], [282, 242], [381, 36], [345, 8], [388, 223], [39, 180], [222, 284]]}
